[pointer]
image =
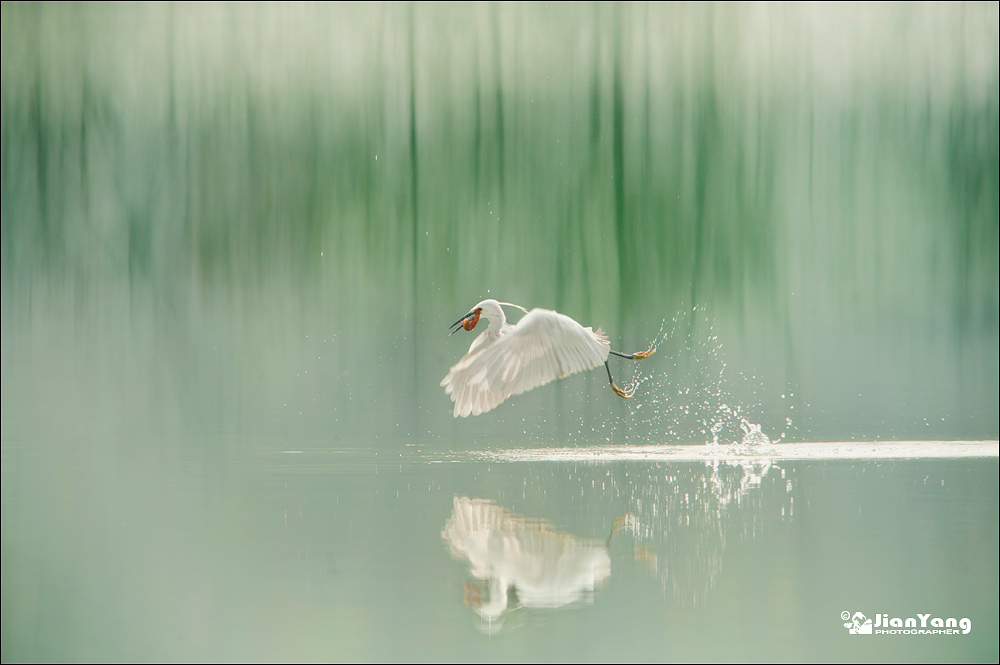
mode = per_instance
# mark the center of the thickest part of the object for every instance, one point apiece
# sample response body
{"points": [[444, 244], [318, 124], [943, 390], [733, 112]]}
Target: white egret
{"points": [[508, 359]]}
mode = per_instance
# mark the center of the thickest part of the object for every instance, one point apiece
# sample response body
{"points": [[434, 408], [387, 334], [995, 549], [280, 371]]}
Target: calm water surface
{"points": [[352, 553]]}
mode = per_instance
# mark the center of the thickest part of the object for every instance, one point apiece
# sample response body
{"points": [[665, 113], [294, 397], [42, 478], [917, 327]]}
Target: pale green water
{"points": [[340, 554], [233, 239]]}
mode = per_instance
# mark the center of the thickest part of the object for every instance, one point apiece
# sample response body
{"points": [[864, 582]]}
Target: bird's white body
{"points": [[508, 359]]}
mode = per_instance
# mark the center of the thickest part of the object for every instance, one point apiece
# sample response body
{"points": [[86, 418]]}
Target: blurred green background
{"points": [[231, 231], [229, 219]]}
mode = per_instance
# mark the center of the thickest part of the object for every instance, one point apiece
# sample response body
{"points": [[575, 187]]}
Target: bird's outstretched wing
{"points": [[542, 347]]}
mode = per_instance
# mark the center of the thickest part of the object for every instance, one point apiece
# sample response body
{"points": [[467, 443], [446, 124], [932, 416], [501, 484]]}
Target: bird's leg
{"points": [[624, 394], [638, 355]]}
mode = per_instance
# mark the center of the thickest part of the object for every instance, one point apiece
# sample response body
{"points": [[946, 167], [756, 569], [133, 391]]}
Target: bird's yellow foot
{"points": [[624, 394], [640, 355]]}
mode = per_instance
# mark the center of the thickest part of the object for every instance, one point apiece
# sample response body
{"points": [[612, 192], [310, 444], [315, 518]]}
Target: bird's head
{"points": [[489, 308], [469, 321]]}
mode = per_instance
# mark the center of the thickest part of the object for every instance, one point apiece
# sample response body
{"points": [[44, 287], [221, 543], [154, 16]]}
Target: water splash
{"points": [[689, 396], [752, 436]]}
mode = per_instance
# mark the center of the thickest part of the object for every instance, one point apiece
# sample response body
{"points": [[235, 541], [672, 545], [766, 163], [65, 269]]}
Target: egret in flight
{"points": [[508, 359]]}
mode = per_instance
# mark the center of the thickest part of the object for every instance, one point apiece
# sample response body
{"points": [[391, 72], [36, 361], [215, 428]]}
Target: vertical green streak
{"points": [[618, 159], [477, 139], [499, 113], [415, 291], [41, 166]]}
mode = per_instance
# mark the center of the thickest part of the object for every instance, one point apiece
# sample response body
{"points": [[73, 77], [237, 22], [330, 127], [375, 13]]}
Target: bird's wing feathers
{"points": [[542, 347]]}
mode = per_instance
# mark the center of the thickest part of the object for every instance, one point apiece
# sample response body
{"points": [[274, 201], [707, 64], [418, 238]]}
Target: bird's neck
{"points": [[497, 325]]}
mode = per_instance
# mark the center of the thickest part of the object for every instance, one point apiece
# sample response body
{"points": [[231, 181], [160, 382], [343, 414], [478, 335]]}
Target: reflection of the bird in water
{"points": [[681, 521], [513, 556]]}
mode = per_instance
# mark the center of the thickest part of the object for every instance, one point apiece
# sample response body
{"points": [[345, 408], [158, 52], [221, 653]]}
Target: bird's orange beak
{"points": [[468, 322]]}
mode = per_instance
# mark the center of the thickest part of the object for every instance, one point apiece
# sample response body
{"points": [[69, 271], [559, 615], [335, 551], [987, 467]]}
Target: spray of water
{"points": [[687, 395]]}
